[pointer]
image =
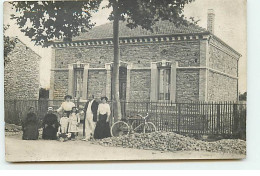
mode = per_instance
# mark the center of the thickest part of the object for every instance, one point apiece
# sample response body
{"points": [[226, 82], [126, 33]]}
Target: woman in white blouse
{"points": [[102, 129]]}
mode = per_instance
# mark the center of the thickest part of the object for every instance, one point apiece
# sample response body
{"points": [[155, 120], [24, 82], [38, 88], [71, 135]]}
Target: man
{"points": [[50, 125], [90, 117]]}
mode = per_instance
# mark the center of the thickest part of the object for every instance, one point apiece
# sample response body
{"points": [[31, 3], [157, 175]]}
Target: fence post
{"points": [[218, 118], [235, 120], [179, 117]]}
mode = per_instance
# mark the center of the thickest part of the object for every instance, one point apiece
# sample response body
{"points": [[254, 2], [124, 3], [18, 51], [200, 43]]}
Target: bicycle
{"points": [[124, 128]]}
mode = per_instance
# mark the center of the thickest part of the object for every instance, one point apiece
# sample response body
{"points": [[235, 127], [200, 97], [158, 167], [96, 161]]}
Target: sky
{"points": [[230, 26]]}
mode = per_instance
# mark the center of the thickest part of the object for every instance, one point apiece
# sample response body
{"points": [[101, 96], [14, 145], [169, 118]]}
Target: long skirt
{"points": [[30, 131], [49, 132], [102, 129]]}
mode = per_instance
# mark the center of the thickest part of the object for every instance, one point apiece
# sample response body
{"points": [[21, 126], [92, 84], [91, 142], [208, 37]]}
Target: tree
{"points": [[46, 20], [243, 97], [9, 44]]}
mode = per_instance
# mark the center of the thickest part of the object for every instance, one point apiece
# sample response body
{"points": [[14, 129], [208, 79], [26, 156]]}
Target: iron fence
{"points": [[202, 118]]}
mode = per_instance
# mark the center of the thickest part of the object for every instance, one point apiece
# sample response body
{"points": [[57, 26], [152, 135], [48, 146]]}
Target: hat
{"points": [[104, 97], [68, 96], [75, 107], [50, 108]]}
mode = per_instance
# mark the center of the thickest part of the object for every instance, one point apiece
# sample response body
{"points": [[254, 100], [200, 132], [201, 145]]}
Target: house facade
{"points": [[22, 74], [178, 64]]}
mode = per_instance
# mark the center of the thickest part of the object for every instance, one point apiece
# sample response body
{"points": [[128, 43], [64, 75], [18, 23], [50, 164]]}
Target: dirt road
{"points": [[18, 150]]}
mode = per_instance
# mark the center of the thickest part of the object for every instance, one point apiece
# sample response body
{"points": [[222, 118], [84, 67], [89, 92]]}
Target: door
{"points": [[122, 83]]}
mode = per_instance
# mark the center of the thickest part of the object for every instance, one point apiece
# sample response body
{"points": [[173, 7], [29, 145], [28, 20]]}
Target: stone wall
{"points": [[61, 84], [187, 85], [97, 83], [22, 74], [221, 60], [222, 84], [221, 87], [139, 55], [140, 85]]}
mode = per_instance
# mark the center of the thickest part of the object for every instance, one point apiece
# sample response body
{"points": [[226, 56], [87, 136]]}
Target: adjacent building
{"points": [[22, 74]]}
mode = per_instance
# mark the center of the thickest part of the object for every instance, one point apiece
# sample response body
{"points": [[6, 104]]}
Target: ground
{"points": [[18, 150]]}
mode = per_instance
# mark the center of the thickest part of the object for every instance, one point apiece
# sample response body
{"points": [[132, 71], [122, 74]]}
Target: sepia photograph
{"points": [[128, 80]]}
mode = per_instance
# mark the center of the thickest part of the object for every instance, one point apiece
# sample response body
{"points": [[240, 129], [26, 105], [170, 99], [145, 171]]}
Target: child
{"points": [[63, 128], [67, 105], [74, 121]]}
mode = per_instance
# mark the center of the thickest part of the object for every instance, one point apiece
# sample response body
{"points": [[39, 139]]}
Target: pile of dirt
{"points": [[169, 141], [12, 128]]}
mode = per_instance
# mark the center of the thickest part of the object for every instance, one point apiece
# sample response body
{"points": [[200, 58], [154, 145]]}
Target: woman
{"points": [[102, 129], [50, 125], [30, 126], [66, 106]]}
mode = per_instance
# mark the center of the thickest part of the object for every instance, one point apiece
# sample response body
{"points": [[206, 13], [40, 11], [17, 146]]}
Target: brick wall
{"points": [[22, 74], [187, 85], [221, 87], [140, 85]]}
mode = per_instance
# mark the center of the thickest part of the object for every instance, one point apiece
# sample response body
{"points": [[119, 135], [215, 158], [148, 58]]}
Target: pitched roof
{"points": [[160, 28]]}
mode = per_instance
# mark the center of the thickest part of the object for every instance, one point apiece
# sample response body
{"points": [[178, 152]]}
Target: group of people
{"points": [[95, 123]]}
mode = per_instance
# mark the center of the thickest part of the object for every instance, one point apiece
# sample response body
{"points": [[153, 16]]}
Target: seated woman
{"points": [[50, 125], [102, 129], [30, 126]]}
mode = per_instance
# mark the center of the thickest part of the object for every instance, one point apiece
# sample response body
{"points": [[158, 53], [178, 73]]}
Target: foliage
{"points": [[43, 21], [145, 13], [47, 20], [9, 44], [243, 97]]}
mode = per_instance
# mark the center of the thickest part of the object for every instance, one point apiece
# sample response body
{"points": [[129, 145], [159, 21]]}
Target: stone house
{"points": [[186, 63], [22, 74]]}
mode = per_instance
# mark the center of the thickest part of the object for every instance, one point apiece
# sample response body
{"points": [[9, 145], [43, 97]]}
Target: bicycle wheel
{"points": [[149, 127], [119, 128]]}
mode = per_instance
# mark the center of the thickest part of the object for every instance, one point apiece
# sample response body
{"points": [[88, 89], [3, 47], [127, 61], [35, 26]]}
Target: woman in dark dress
{"points": [[30, 126], [102, 129], [50, 125]]}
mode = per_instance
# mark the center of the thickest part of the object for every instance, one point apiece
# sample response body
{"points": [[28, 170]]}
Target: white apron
{"points": [[89, 124]]}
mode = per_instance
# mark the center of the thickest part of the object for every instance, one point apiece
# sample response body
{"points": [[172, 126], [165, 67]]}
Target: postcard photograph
{"points": [[97, 80]]}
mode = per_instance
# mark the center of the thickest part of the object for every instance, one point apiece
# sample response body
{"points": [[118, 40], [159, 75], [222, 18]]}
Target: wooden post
{"points": [[179, 117], [218, 118], [235, 120]]}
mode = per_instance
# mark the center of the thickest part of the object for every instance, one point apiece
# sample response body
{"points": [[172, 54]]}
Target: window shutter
{"points": [[154, 82], [70, 81], [85, 82], [173, 82]]}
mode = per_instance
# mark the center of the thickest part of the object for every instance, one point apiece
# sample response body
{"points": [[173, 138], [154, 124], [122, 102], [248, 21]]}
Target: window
{"points": [[78, 82], [164, 83]]}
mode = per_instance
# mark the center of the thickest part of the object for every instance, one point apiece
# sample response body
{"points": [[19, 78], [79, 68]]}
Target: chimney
{"points": [[211, 20]]}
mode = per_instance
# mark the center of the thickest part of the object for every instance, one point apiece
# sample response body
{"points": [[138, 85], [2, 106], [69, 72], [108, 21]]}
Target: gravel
{"points": [[169, 141]]}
